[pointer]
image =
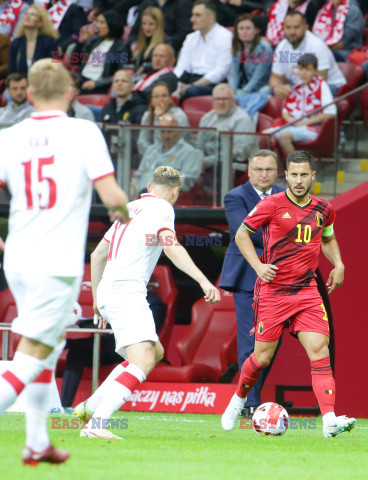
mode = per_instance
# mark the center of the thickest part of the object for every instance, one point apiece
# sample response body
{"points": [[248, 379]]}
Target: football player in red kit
{"points": [[295, 226]]}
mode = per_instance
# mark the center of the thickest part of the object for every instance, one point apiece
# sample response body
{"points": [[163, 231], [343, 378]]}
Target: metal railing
{"points": [[6, 329]]}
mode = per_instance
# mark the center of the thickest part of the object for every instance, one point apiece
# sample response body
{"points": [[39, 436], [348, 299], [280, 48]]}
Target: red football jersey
{"points": [[292, 239]]}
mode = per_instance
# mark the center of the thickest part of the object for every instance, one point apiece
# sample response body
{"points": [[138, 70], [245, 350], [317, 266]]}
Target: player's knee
{"points": [[321, 352], [264, 359], [159, 353]]}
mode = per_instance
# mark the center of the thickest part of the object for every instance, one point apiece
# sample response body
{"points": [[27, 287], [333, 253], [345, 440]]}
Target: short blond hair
{"points": [[49, 80], [168, 177], [46, 28]]}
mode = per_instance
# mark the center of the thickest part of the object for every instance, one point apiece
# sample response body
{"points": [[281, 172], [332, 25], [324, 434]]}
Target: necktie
{"points": [[264, 195]]}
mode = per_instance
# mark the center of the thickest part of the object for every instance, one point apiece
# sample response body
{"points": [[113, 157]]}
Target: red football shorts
{"points": [[305, 311]]}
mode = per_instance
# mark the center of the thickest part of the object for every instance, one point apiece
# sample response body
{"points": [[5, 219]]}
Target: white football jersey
{"points": [[49, 162], [134, 246]]}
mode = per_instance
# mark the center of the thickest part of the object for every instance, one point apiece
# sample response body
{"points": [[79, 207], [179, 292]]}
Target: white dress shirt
{"points": [[209, 56], [261, 194]]}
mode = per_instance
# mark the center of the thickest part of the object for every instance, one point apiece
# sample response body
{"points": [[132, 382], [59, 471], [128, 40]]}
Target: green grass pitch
{"points": [[190, 447]]}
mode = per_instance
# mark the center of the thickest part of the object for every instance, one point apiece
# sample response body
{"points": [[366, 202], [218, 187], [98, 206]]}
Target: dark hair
{"points": [[207, 4], [76, 79], [300, 156], [15, 77], [294, 14], [114, 22], [308, 59], [236, 41], [263, 152]]}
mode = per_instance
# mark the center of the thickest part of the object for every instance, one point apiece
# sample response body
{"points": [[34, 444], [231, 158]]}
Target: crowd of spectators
{"points": [[150, 55]]}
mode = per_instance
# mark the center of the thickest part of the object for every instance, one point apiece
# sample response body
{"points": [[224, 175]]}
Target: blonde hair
{"points": [[158, 34], [46, 28], [49, 79], [168, 177]]}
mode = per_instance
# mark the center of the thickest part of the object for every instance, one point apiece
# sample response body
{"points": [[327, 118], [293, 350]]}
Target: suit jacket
{"points": [[45, 45], [237, 275]]}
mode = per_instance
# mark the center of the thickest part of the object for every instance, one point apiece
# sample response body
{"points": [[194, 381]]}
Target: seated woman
{"points": [[151, 33], [101, 55], [36, 39], [160, 103], [251, 57]]}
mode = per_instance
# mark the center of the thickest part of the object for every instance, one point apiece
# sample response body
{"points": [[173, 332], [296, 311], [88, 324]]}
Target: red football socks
{"points": [[249, 375], [323, 384]]}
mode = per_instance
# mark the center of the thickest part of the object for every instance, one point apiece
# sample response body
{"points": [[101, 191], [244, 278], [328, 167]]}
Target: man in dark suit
{"points": [[237, 275]]}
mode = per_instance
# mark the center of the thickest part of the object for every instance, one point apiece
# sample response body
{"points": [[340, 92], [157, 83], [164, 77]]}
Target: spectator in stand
{"points": [[163, 60], [226, 116], [229, 10], [67, 19], [4, 54], [127, 106], [310, 93], [340, 25], [11, 14], [120, 7], [36, 39], [275, 28], [177, 20], [19, 108], [251, 57], [298, 40], [151, 33], [172, 151], [76, 109], [101, 55], [205, 59], [160, 104]]}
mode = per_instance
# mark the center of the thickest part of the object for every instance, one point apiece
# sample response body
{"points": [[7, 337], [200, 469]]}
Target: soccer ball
{"points": [[270, 419]]}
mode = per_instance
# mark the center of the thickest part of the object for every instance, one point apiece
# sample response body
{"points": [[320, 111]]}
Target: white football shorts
{"points": [[124, 305], [44, 305]]}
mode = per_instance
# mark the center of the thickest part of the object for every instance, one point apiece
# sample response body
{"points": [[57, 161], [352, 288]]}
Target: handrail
{"points": [[6, 327]]}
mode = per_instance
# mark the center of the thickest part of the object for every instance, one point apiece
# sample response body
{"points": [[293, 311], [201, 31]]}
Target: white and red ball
{"points": [[270, 419]]}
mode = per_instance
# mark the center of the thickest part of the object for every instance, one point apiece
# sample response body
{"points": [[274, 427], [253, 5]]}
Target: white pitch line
{"points": [[164, 419]]}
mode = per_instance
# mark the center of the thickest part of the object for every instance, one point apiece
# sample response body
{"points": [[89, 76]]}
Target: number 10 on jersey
{"points": [[304, 235], [30, 184]]}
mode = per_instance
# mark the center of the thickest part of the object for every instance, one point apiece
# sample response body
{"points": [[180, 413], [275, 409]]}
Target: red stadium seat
{"points": [[354, 75], [196, 196], [196, 107], [167, 292], [323, 145], [3, 101], [97, 99], [208, 347], [2, 85], [273, 107], [364, 104]]}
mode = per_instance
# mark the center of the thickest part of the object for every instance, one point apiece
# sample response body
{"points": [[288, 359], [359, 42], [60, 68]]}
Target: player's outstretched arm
{"points": [[98, 263], [331, 251], [265, 271], [113, 197], [181, 259]]}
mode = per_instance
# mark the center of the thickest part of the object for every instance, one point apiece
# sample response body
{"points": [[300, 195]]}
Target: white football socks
{"points": [[115, 396], [23, 370], [95, 399]]}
